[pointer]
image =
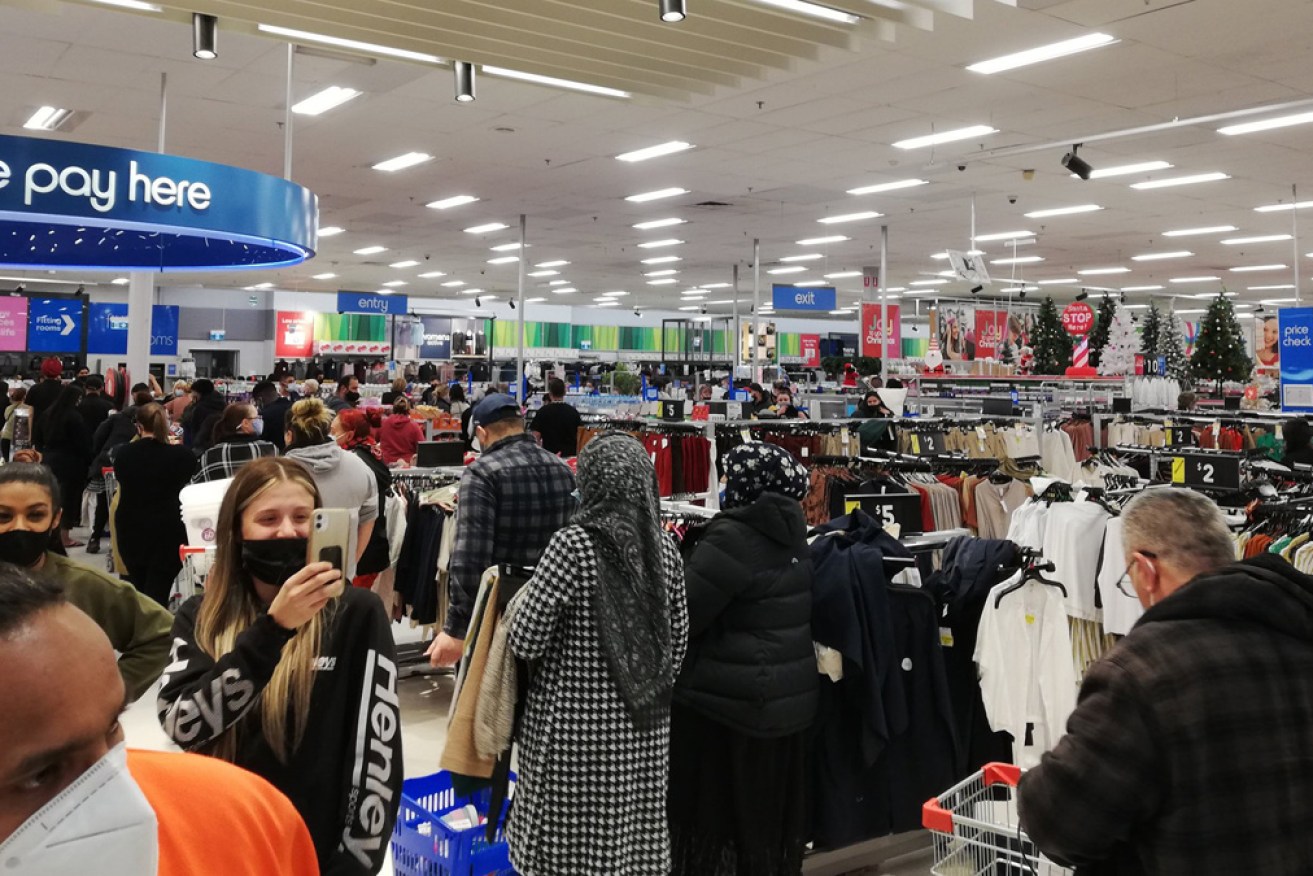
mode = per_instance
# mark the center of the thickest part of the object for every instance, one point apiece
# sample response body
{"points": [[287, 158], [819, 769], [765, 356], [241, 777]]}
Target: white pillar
{"points": [[521, 395], [884, 305], [756, 309], [738, 330], [141, 296]]}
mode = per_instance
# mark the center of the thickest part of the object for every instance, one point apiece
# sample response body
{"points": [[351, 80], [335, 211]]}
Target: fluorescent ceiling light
{"points": [[1066, 281], [821, 241], [471, 291], [1279, 301], [662, 260], [1142, 288], [806, 257], [533, 300], [48, 118], [1180, 180], [655, 244], [130, 4], [555, 263], [555, 82], [850, 217], [1039, 54], [667, 281], [564, 290], [452, 284], [321, 102], [1019, 260], [655, 151], [813, 9], [1012, 289], [943, 256], [716, 285], [949, 274], [548, 273], [408, 263], [261, 286], [1189, 312], [330, 231], [371, 250], [644, 197], [1278, 288], [1002, 235], [1194, 279], [665, 273], [928, 282], [453, 201], [889, 186], [432, 275], [1063, 211], [123, 281], [1095, 272], [802, 284], [843, 275], [315, 277], [1281, 208], [1263, 238], [505, 247], [1191, 232], [1159, 256], [401, 162], [691, 307], [558, 282], [368, 48], [659, 223], [484, 229], [1267, 124], [1128, 169], [946, 137], [504, 260], [1199, 295], [394, 283], [1255, 268], [607, 302], [617, 294], [792, 269]]}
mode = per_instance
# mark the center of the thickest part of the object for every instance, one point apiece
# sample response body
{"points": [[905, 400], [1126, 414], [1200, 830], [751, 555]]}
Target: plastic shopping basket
{"points": [[422, 845], [977, 830]]}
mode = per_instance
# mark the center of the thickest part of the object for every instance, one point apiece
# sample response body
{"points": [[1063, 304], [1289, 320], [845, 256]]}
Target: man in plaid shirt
{"points": [[1190, 752], [512, 501]]}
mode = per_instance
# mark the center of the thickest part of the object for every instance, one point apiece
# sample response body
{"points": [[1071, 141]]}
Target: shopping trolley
{"points": [[977, 830]]}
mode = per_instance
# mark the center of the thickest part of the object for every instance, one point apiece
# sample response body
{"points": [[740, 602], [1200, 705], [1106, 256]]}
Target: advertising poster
{"points": [[991, 326], [1295, 327], [13, 324], [294, 334], [872, 339], [766, 351], [811, 351], [437, 337], [54, 325], [1267, 337], [957, 332]]}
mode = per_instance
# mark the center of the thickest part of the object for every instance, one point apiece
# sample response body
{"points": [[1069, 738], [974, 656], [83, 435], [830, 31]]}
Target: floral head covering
{"points": [[756, 468]]}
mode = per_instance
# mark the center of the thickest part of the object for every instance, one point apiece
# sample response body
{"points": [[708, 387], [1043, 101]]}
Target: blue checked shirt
{"points": [[512, 501]]}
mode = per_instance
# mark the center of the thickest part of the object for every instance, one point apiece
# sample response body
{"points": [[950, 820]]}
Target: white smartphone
{"points": [[330, 540]]}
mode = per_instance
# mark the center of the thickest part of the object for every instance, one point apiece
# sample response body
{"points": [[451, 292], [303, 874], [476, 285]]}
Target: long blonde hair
{"points": [[231, 606]]}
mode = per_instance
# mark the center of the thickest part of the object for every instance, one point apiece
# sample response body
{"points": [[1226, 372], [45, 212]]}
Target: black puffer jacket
{"points": [[751, 664]]}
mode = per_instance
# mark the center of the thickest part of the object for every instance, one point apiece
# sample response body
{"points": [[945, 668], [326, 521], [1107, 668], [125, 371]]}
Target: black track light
{"points": [[464, 73], [672, 10], [478, 302], [512, 303], [1021, 294], [1083, 295], [1076, 164], [975, 290], [204, 36]]}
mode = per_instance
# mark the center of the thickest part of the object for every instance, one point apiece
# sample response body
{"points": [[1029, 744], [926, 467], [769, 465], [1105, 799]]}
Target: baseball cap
{"points": [[494, 408]]}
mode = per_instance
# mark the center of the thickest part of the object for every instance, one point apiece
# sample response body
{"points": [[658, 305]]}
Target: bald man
{"points": [[74, 800]]}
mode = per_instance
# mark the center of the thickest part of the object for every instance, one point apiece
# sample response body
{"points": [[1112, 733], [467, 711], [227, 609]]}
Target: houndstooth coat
{"points": [[591, 797]]}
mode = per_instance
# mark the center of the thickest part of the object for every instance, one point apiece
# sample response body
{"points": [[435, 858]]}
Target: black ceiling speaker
{"points": [[1076, 164]]}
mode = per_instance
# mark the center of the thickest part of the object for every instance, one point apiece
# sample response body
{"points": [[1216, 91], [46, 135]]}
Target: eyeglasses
{"points": [[1126, 576]]}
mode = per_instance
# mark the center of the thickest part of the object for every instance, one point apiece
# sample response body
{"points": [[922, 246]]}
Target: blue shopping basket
{"points": [[422, 845]]}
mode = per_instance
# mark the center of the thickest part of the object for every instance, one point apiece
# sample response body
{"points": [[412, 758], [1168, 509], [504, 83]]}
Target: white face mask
{"points": [[103, 817]]}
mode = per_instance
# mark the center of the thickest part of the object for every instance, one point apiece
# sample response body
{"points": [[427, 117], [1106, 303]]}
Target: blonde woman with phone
{"points": [[279, 670]]}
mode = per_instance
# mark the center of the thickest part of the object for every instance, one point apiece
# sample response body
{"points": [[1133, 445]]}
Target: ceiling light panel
{"points": [[1063, 211], [505, 247], [1262, 238], [293, 35], [330, 231], [655, 151], [849, 217], [452, 284], [1245, 269], [1283, 208], [555, 263], [821, 241], [1193, 232], [1040, 54], [815, 10], [1267, 124], [1142, 288], [665, 273], [408, 263], [657, 244], [321, 102], [1096, 272], [659, 223], [888, 187], [453, 201], [662, 260], [371, 250], [487, 228], [1183, 280], [432, 275], [843, 275], [1160, 256], [1128, 169], [656, 195], [401, 162], [554, 82], [537, 274], [805, 257], [1170, 182], [47, 118], [1002, 235], [504, 260], [946, 137]]}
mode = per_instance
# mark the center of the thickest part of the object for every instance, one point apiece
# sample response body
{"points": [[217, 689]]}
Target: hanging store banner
{"points": [[1267, 341], [107, 329], [811, 351], [97, 207], [957, 332], [55, 325], [13, 324], [371, 302], [294, 334], [803, 297], [437, 337], [1296, 327], [991, 326], [872, 339]]}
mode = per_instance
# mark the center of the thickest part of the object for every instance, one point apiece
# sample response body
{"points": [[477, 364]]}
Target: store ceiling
{"points": [[786, 114]]}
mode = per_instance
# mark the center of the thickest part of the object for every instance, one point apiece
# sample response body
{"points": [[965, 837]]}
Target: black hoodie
{"points": [[1190, 752]]}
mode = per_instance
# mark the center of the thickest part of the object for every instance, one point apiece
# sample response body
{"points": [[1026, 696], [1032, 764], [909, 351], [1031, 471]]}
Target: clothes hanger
{"points": [[1033, 573]]}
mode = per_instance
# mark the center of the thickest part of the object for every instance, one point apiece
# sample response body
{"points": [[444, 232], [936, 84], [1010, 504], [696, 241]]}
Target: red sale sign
{"points": [[294, 334], [872, 338], [991, 325], [1078, 318], [811, 351]]}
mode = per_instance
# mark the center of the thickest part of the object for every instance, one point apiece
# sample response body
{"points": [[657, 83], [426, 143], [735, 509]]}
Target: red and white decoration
{"points": [[1078, 318]]}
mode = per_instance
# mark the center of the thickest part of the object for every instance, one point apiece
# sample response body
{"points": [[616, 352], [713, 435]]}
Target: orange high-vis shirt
{"points": [[216, 819]]}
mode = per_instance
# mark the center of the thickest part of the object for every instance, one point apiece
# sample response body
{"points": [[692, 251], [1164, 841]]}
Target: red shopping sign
{"points": [[1078, 318]]}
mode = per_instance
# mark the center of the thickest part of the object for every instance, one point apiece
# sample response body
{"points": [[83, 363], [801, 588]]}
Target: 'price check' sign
{"points": [[901, 508], [1206, 470]]}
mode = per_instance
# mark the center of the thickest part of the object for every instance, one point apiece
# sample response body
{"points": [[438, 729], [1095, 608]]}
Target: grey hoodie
{"points": [[344, 482]]}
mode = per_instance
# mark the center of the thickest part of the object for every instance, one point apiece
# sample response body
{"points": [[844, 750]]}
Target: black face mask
{"points": [[274, 560], [352, 397], [23, 547]]}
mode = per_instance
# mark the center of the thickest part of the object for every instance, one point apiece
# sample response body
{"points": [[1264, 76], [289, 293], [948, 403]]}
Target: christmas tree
{"points": [[1122, 345], [1102, 325], [1006, 354], [1219, 350], [1149, 336], [1050, 341], [1171, 347]]}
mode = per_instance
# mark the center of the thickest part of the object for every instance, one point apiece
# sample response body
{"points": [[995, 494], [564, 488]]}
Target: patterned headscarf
{"points": [[620, 509], [756, 468]]}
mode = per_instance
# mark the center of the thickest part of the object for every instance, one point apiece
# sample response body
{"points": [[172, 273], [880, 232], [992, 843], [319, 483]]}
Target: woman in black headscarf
{"points": [[748, 691], [872, 405], [606, 621]]}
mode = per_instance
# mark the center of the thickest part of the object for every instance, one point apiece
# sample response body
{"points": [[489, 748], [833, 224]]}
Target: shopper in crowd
{"points": [[65, 444], [74, 800], [17, 399], [462, 409], [871, 406], [44, 392], [399, 435], [1186, 401], [347, 395], [342, 479], [1188, 752], [785, 407], [512, 500], [199, 418], [273, 415], [605, 621], [179, 402], [119, 429], [557, 423], [237, 441], [1297, 437], [137, 627], [151, 473], [432, 392], [748, 692], [286, 387], [274, 672], [354, 433], [95, 408], [397, 391]]}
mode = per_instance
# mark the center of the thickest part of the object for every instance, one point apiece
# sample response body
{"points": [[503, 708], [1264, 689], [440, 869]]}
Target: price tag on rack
{"points": [[903, 509], [928, 443], [1206, 470]]}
